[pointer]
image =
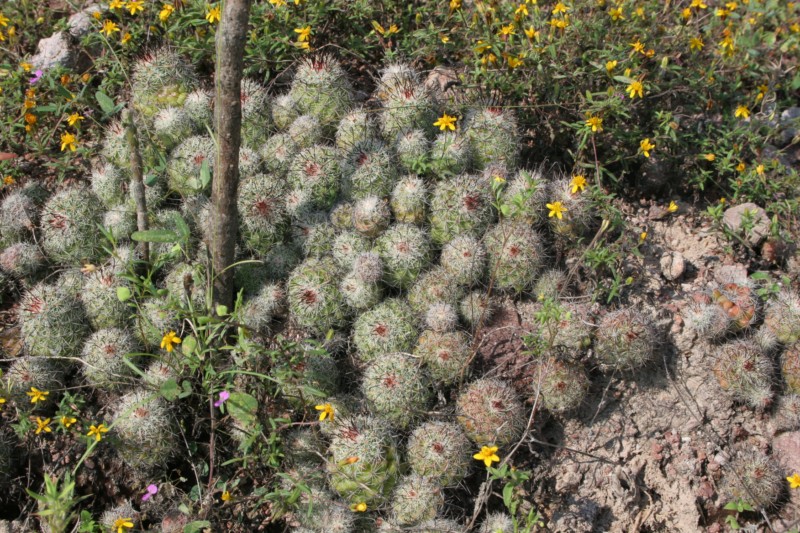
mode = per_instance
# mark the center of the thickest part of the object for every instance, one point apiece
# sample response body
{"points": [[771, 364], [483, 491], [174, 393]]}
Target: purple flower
{"points": [[151, 491], [223, 396], [36, 77]]}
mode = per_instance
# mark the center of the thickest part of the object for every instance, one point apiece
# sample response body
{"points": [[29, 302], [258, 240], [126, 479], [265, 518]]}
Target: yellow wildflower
{"points": [[121, 524], [166, 12], [126, 37], [522, 9], [43, 425], [74, 119], [26, 66], [531, 33], [278, 3], [97, 431], [455, 4], [2, 400], [741, 166], [30, 118], [488, 454], [303, 34], [672, 206], [709, 157], [699, 4], [611, 65], [37, 395], [616, 14], [8, 180], [578, 183], [109, 28], [686, 13], [169, 339], [696, 43], [68, 142], [742, 111], [513, 62], [4, 20], [794, 481], [560, 8], [359, 507], [636, 88], [116, 4], [134, 6], [760, 170], [67, 421], [326, 411], [556, 210], [507, 30], [213, 15], [226, 496], [446, 122], [727, 44], [642, 236], [596, 123], [645, 146], [638, 46]]}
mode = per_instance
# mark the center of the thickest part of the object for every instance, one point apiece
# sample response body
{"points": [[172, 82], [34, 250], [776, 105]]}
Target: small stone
{"points": [[673, 265], [81, 22], [786, 449], [54, 51], [735, 219]]}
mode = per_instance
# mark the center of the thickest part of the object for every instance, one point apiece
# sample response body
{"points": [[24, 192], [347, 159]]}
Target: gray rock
{"points": [[80, 23], [673, 265], [786, 449], [749, 221], [54, 51], [790, 114]]}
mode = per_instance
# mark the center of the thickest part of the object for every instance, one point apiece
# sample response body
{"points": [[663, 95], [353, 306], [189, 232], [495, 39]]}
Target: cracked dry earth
{"points": [[648, 448]]}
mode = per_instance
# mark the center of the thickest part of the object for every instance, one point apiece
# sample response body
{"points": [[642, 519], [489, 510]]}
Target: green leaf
{"points": [[187, 389], [189, 344], [222, 310], [169, 390], [205, 174], [123, 294], [197, 525], [150, 180], [243, 408], [155, 235], [106, 103], [183, 227]]}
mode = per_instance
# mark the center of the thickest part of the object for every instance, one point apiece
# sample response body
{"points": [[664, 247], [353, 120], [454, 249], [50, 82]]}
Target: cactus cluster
{"points": [[490, 412], [745, 373], [53, 322], [104, 357], [625, 339], [753, 477], [397, 389], [144, 430], [440, 451]]}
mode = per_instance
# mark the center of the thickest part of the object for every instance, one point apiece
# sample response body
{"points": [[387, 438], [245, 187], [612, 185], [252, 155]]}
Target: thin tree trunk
{"points": [[137, 184], [231, 36]]}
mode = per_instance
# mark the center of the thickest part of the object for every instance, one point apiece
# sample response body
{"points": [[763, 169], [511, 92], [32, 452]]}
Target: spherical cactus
{"points": [[369, 170], [388, 327], [110, 184], [198, 105], [171, 125], [22, 260], [526, 195], [104, 355], [440, 451], [41, 373], [413, 149], [354, 128], [284, 111], [316, 170], [314, 297], [255, 113], [562, 386], [347, 246], [464, 258], [396, 389], [446, 355], [111, 519], [406, 106], [187, 282], [143, 426], [184, 168], [249, 163], [314, 233], [497, 522], [490, 412], [782, 316], [708, 320], [69, 224], [359, 294], [305, 131], [368, 267], [342, 216], [754, 478], [441, 317], [371, 216], [515, 255], [551, 285], [406, 251], [394, 77], [740, 302], [432, 287], [790, 368], [363, 463], [319, 512], [53, 322], [160, 371], [625, 339], [321, 88], [416, 499], [440, 525], [316, 374], [161, 79], [259, 310], [281, 260], [493, 135], [155, 318], [19, 214], [409, 200], [460, 205], [450, 154], [99, 297], [263, 219], [277, 153], [120, 222], [577, 211], [303, 446], [745, 373]]}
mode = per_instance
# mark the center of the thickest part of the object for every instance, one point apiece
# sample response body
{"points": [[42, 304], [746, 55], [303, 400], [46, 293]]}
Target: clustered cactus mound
{"points": [[53, 322], [754, 478], [490, 412], [440, 451], [625, 339], [396, 389], [144, 429], [745, 373]]}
